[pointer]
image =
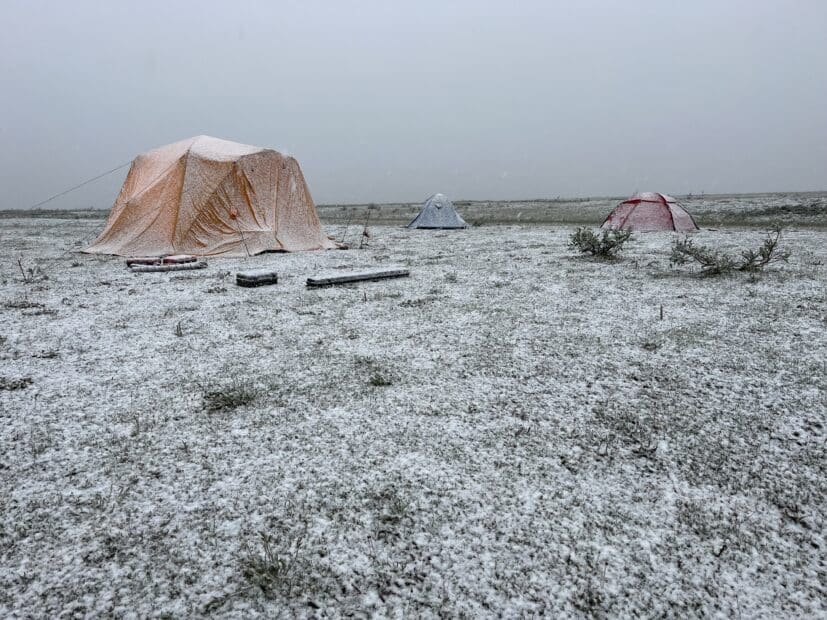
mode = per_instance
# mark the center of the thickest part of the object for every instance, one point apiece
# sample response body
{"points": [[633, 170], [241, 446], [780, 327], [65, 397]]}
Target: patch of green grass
{"points": [[15, 384], [417, 302], [229, 396], [23, 304], [47, 354], [269, 567], [377, 379]]}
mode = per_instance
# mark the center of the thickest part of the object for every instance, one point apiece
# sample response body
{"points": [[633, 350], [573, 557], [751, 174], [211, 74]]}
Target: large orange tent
{"points": [[206, 196]]}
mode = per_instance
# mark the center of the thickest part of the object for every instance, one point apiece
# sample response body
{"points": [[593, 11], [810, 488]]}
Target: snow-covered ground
{"points": [[512, 430]]}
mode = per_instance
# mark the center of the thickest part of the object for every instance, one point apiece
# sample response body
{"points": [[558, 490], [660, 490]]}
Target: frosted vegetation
{"points": [[514, 429]]}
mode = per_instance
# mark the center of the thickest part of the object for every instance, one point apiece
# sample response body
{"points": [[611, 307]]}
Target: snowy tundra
{"points": [[513, 430]]}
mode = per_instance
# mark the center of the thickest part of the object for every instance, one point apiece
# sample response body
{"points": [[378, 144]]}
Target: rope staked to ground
{"points": [[73, 188], [78, 186]]}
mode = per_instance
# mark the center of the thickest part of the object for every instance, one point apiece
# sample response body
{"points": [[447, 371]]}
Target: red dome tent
{"points": [[650, 211]]}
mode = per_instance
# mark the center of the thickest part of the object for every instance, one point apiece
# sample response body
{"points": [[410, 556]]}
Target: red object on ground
{"points": [[648, 212]]}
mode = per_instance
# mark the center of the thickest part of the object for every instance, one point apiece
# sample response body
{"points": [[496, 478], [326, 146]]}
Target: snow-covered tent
{"points": [[206, 196], [648, 212], [438, 212]]}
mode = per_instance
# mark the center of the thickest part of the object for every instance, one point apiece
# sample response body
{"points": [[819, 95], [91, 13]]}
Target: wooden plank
{"points": [[357, 276], [161, 260], [176, 259], [172, 267], [143, 260], [256, 277]]}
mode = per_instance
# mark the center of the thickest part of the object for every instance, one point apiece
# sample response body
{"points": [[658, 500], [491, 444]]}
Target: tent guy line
{"points": [[78, 186]]}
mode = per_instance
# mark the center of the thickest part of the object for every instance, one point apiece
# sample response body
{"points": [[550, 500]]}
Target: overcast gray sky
{"points": [[391, 101]]}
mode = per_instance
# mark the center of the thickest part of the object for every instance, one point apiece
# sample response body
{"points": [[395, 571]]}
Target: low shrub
{"points": [[606, 244], [713, 262]]}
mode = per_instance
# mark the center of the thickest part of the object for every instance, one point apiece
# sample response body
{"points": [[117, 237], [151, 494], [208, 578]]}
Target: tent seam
{"points": [[186, 159], [206, 200], [669, 209]]}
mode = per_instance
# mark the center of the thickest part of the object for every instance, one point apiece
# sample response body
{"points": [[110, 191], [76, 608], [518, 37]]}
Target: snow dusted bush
{"points": [[769, 252], [713, 262], [605, 245]]}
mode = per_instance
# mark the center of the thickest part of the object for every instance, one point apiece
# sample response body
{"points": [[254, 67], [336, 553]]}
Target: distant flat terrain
{"points": [[790, 209], [513, 430], [803, 209]]}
